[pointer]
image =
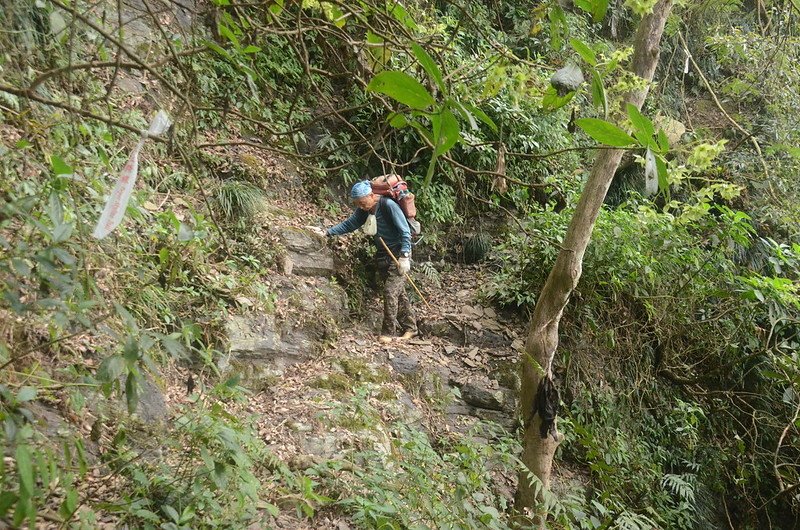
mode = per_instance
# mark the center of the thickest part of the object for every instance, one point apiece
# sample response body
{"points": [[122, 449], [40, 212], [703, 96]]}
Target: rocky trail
{"points": [[309, 362]]}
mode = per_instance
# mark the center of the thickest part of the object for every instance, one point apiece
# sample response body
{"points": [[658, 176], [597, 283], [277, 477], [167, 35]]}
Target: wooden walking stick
{"points": [[406, 276]]}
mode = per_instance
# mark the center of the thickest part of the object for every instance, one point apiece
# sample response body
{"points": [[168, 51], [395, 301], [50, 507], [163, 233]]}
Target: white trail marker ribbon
{"points": [[117, 202]]}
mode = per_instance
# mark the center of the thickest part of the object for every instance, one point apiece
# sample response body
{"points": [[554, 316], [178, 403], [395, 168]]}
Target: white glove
{"points": [[404, 265], [317, 230]]}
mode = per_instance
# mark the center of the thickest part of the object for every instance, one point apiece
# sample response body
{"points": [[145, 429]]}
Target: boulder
{"points": [[265, 344], [260, 345], [306, 254], [481, 397]]}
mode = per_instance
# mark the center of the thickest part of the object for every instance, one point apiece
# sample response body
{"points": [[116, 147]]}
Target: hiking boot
{"points": [[410, 334], [385, 339]]}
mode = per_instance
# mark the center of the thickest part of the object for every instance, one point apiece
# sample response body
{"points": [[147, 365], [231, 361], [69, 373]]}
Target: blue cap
{"points": [[361, 189]]}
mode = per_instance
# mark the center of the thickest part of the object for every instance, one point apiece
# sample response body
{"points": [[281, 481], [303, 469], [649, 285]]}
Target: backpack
{"points": [[395, 188]]}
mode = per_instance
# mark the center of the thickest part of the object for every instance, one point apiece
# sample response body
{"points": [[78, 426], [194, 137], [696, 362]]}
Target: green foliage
{"points": [[411, 484], [215, 454], [605, 132], [403, 88]]}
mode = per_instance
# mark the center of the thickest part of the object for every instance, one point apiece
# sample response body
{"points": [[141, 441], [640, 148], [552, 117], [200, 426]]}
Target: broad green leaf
{"points": [[80, 453], [552, 101], [251, 49], [429, 65], [62, 232], [60, 168], [663, 181], [24, 509], [481, 116], [402, 88], [64, 257], [173, 346], [26, 393], [448, 133], [276, 8], [598, 10], [401, 15], [466, 114], [429, 173], [226, 32], [397, 120], [70, 504], [559, 28], [428, 135], [643, 127], [131, 393], [55, 211], [25, 468], [599, 97], [111, 368], [131, 351], [334, 14], [125, 315], [21, 266], [147, 515], [605, 132], [586, 53], [218, 49], [171, 512], [663, 141], [7, 500]]}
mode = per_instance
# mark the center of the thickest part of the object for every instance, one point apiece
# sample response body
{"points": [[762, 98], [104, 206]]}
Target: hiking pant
{"points": [[397, 312]]}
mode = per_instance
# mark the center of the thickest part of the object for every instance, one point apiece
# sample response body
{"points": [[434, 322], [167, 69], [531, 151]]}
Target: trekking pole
{"points": [[406, 276]]}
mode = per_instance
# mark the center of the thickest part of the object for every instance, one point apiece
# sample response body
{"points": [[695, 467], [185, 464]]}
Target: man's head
{"points": [[362, 195]]}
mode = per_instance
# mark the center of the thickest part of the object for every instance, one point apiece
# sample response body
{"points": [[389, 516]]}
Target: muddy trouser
{"points": [[397, 312]]}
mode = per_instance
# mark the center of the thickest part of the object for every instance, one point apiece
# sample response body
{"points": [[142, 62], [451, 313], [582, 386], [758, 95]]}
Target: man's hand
{"points": [[317, 230], [404, 265]]}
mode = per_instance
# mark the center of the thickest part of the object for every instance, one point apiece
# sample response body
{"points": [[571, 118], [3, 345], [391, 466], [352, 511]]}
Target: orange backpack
{"points": [[395, 188]]}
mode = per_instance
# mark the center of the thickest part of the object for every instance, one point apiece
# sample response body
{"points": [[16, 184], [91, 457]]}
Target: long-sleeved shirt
{"points": [[392, 226]]}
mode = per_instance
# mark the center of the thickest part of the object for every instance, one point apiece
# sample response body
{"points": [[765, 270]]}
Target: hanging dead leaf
{"points": [[499, 184]]}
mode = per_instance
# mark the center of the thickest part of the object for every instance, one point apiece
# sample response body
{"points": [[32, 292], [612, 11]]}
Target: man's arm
{"points": [[354, 222]]}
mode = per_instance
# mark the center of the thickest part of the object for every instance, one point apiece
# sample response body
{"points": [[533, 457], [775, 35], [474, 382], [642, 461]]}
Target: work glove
{"points": [[404, 265], [317, 230]]}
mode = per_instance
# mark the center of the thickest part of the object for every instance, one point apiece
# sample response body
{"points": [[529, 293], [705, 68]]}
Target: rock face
{"points": [[484, 398], [266, 344], [306, 254], [259, 344]]}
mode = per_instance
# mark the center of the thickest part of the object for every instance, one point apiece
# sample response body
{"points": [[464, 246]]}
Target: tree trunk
{"points": [[542, 339]]}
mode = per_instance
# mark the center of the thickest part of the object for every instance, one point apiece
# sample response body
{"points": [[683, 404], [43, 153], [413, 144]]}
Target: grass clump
{"points": [[238, 200]]}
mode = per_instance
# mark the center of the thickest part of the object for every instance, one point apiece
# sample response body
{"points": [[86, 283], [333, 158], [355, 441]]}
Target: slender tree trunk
{"points": [[542, 339]]}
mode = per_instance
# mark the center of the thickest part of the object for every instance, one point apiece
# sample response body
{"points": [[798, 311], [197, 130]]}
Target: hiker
{"points": [[382, 218]]}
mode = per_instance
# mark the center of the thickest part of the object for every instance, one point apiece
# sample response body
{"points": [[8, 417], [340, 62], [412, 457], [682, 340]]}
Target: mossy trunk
{"points": [[542, 339]]}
